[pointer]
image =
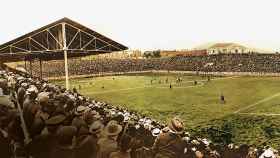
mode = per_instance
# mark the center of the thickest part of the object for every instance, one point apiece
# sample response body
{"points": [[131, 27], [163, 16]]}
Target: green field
{"points": [[250, 114]]}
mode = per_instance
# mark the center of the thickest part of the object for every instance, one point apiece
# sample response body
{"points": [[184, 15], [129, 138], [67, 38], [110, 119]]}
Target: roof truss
{"points": [[50, 39]]}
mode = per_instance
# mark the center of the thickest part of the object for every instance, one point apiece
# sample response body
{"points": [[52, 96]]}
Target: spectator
{"points": [[65, 146], [169, 143], [109, 144]]}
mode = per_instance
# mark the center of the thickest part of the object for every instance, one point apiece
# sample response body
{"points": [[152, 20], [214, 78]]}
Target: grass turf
{"points": [[199, 106]]}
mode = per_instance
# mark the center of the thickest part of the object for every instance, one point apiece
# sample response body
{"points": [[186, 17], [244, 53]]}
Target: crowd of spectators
{"points": [[263, 63], [42, 120]]}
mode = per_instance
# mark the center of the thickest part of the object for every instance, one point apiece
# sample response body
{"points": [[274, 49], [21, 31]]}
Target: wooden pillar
{"points": [[41, 73], [65, 57], [25, 64], [30, 67]]}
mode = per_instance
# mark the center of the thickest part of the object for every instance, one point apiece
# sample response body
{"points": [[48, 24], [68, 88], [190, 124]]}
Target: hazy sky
{"points": [[153, 24]]}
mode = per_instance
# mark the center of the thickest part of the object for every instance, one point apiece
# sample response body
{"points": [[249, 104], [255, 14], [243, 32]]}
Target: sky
{"points": [[153, 24]]}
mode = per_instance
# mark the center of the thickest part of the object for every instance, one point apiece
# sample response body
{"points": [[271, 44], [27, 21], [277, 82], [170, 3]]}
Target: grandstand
{"points": [[240, 64]]}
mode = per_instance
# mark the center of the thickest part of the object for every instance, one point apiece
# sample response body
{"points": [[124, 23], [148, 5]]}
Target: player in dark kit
{"points": [[195, 82], [222, 98]]}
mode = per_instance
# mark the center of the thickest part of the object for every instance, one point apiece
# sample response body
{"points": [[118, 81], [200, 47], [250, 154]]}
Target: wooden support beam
{"points": [[30, 67], [41, 73]]}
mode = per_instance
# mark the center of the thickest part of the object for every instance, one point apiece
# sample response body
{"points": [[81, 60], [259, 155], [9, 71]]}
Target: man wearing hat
{"points": [[109, 144], [86, 144], [65, 143], [169, 144], [41, 115], [42, 145], [124, 150], [21, 93], [79, 121], [95, 129], [47, 105], [91, 116], [30, 106]]}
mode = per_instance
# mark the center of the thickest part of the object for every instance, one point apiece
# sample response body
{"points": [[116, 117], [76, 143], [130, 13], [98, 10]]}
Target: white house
{"points": [[227, 48]]}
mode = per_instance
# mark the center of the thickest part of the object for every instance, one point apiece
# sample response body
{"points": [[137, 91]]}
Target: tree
{"points": [[152, 54]]}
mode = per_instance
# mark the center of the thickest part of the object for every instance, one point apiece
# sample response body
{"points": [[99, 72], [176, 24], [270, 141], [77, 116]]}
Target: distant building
{"points": [[171, 53], [227, 48], [216, 48], [134, 54]]}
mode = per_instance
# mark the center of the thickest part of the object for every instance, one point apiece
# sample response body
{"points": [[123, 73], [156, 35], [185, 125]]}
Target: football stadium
{"points": [[69, 91]]}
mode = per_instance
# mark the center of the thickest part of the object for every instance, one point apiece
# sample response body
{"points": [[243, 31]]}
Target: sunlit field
{"points": [[252, 103]]}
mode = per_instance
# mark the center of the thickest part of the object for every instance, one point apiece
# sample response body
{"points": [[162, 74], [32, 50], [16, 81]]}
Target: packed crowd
{"points": [[263, 63], [42, 120]]}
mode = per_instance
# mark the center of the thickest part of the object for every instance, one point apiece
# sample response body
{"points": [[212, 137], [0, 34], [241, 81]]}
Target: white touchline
{"points": [[258, 102], [265, 114]]}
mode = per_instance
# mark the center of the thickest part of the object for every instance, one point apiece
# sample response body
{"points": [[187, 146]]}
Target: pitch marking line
{"points": [[125, 89], [258, 114], [258, 102]]}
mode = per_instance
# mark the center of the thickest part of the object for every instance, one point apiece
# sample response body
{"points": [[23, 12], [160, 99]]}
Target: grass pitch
{"points": [[251, 109]]}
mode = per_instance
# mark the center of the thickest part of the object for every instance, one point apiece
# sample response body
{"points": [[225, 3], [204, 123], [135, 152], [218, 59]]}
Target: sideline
{"points": [[258, 102], [259, 114]]}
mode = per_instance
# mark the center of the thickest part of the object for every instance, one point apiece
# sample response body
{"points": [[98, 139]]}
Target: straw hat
{"points": [[268, 153], [176, 125], [155, 132], [43, 97], [96, 127], [95, 114], [112, 129], [32, 89], [80, 110]]}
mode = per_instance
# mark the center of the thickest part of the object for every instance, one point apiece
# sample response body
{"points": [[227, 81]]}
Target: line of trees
{"points": [[152, 54]]}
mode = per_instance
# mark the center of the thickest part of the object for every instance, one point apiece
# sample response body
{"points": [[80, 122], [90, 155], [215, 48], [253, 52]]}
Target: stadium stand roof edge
{"points": [[19, 48]]}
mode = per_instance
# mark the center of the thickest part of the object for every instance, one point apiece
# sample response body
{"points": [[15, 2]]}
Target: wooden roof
{"points": [[50, 41]]}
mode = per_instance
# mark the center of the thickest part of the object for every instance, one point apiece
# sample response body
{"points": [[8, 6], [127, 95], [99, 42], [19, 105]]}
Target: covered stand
{"points": [[59, 40]]}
